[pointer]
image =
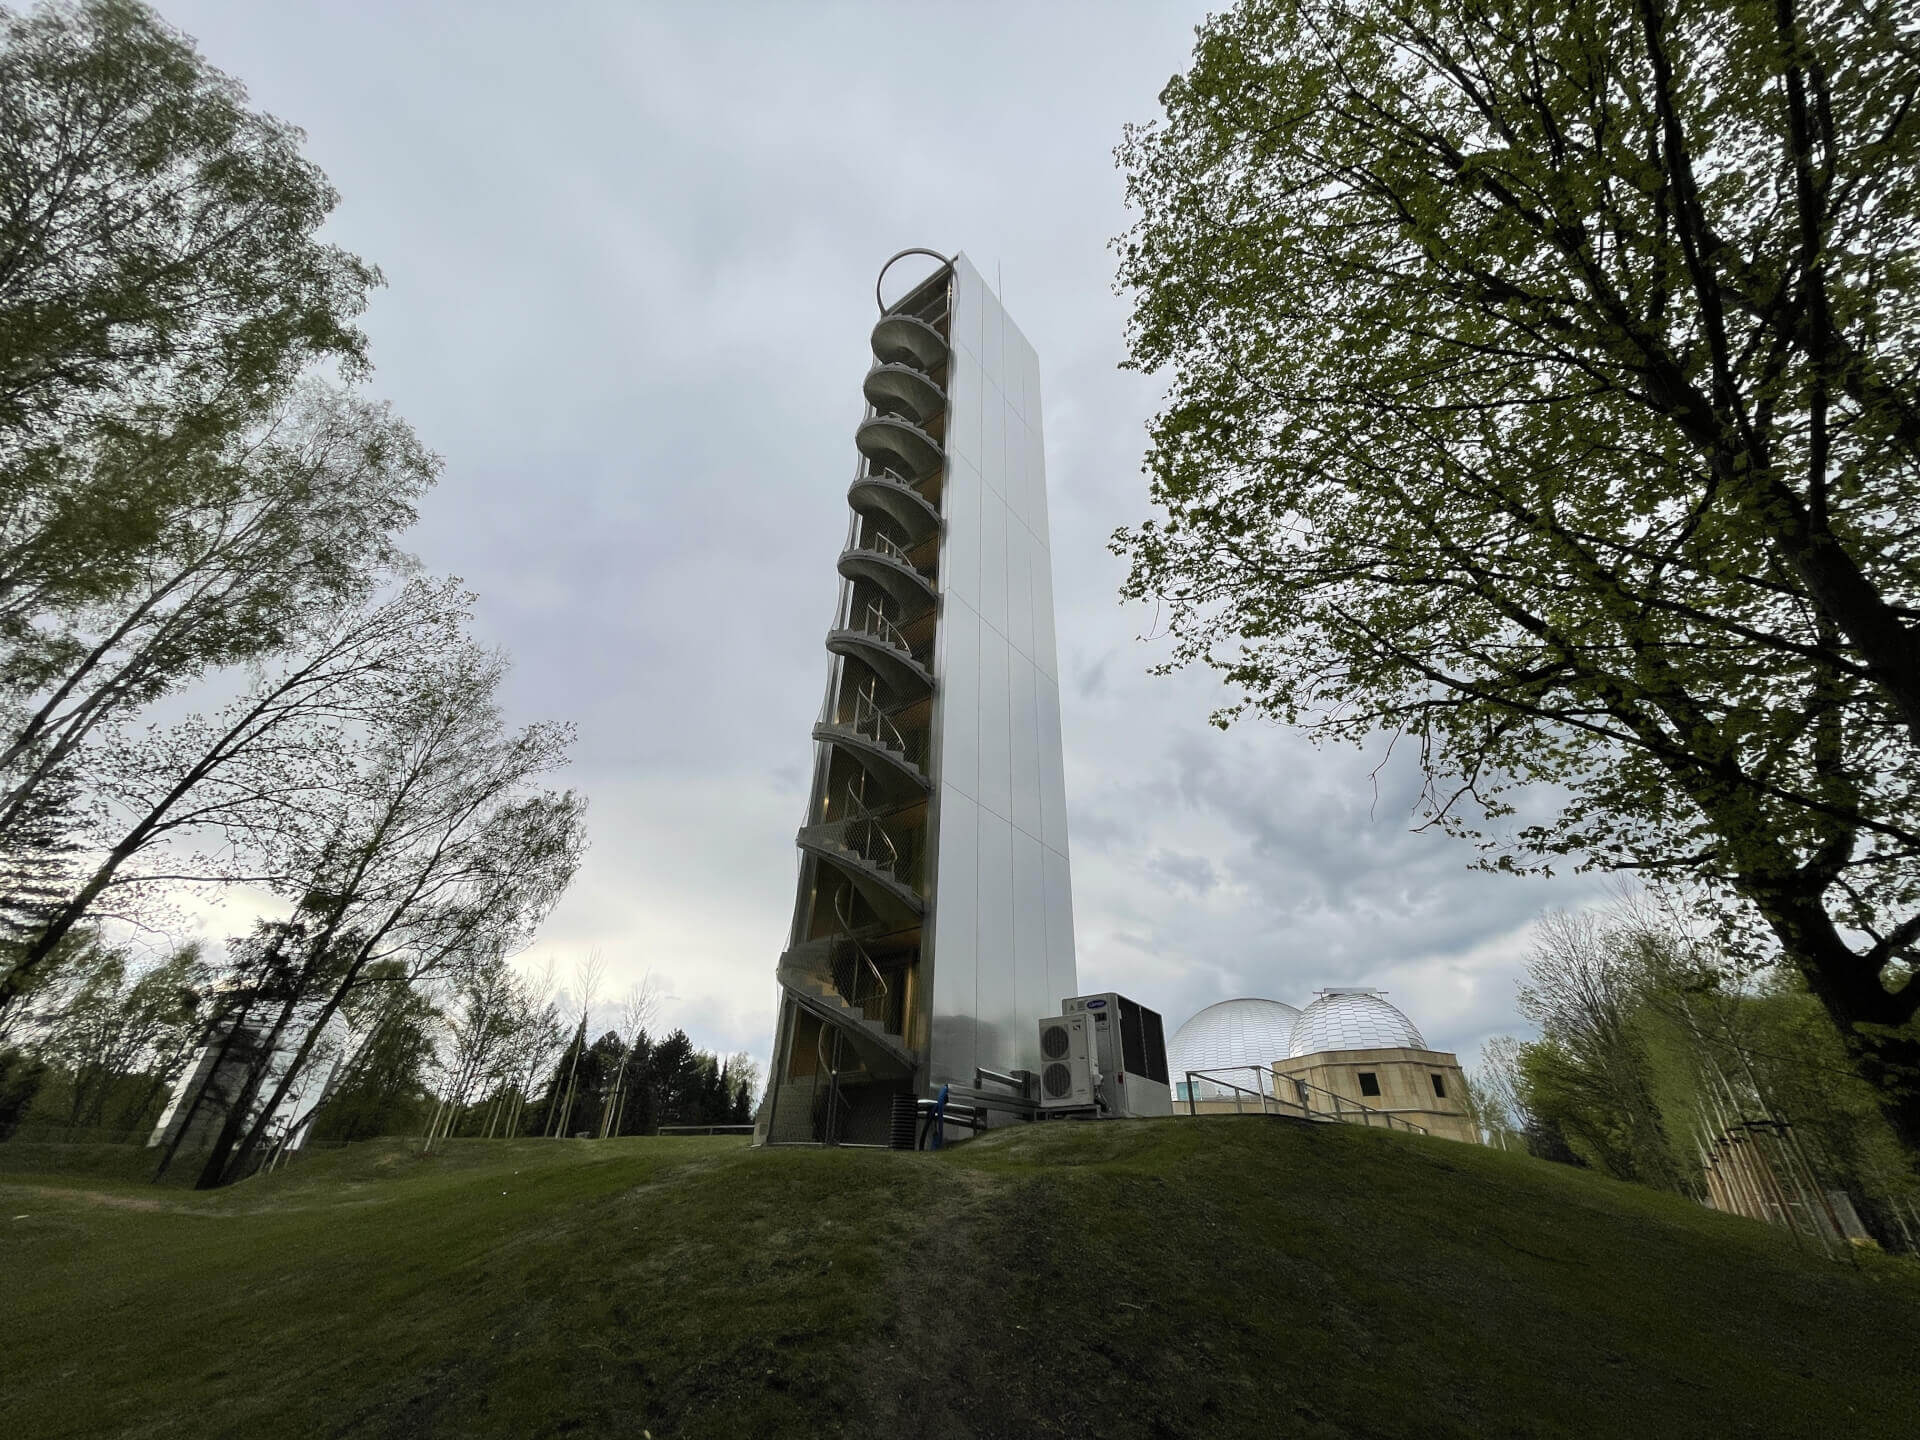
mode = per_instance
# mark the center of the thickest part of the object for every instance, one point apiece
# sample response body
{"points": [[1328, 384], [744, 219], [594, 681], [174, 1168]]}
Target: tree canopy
{"points": [[1543, 390]]}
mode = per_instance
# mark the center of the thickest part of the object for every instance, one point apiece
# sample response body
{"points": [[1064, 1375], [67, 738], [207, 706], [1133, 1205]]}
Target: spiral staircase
{"points": [[851, 976]]}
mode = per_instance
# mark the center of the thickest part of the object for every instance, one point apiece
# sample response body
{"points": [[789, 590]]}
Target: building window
{"points": [[1369, 1083], [1440, 1086]]}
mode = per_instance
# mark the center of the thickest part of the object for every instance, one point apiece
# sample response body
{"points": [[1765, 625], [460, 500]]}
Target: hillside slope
{"points": [[1230, 1277]]}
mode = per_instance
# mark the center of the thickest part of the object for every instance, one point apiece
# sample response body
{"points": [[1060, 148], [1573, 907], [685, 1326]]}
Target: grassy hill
{"points": [[1229, 1277]]}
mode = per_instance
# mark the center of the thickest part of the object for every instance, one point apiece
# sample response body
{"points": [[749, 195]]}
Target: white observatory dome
{"points": [[1232, 1033], [1352, 1020]]}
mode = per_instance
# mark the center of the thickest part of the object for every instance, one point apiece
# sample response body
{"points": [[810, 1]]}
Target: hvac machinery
{"points": [[1104, 1055]]}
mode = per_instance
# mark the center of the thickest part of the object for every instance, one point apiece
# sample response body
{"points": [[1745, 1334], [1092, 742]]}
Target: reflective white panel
{"points": [[1053, 782], [961, 543], [955, 926], [1022, 549], [998, 1009], [993, 440], [965, 386], [993, 559], [1025, 725], [1014, 460], [1063, 978], [1044, 652], [1031, 997], [991, 319], [968, 294], [1002, 951], [996, 740], [959, 702]]}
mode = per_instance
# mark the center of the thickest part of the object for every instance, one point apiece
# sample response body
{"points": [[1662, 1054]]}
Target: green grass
{"points": [[1220, 1277]]}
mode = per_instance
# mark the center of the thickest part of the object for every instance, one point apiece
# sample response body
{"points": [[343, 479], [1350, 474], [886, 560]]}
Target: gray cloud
{"points": [[630, 254]]}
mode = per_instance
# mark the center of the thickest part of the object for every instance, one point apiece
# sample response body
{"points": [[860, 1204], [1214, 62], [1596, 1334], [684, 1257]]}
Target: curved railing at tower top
{"points": [[945, 269]]}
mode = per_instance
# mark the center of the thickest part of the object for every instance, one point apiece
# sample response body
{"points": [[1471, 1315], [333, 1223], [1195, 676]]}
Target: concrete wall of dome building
{"points": [[1002, 918], [1403, 1082]]}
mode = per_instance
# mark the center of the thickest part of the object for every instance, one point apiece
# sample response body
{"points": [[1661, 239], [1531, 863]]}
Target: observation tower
{"points": [[933, 920]]}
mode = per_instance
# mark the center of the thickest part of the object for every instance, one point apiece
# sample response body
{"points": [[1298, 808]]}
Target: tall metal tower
{"points": [[934, 916]]}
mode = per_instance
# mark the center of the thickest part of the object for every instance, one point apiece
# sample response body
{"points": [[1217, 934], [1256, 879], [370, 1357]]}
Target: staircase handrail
{"points": [[840, 897], [862, 832], [870, 721], [891, 476], [873, 621], [882, 544]]}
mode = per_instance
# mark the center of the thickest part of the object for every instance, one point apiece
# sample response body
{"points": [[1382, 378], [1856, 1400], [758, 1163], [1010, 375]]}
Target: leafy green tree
{"points": [[1590, 1073], [441, 846], [124, 1036], [260, 772], [382, 1090], [284, 524], [1542, 390], [172, 496], [638, 1114], [21, 1076], [158, 244], [673, 1078]]}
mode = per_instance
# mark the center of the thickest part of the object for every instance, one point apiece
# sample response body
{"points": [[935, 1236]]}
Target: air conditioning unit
{"points": [[1129, 1054], [1068, 1077]]}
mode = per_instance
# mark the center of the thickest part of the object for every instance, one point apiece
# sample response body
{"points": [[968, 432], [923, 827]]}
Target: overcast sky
{"points": [[629, 254]]}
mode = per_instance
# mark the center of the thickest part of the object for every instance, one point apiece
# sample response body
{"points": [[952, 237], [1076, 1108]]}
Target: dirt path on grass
{"points": [[99, 1199]]}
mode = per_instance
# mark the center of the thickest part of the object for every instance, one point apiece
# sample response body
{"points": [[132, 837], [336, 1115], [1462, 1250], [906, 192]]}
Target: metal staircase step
{"points": [[882, 1049]]}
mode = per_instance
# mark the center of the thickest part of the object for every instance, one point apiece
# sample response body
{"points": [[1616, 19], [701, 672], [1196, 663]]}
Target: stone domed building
{"points": [[1351, 1052]]}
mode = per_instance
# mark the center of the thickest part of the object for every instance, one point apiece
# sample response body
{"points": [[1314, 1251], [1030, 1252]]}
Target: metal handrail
{"points": [[887, 475], [875, 724], [1342, 1105], [863, 832], [1214, 1077], [875, 622], [882, 544], [860, 955]]}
